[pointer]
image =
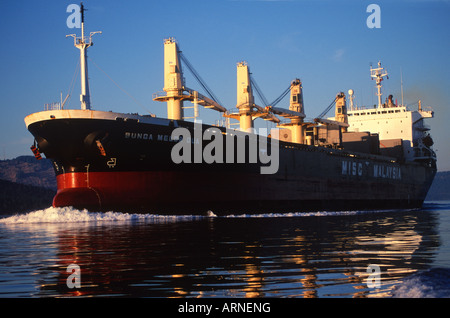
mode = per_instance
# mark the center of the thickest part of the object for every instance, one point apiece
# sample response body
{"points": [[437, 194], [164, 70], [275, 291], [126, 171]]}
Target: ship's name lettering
{"points": [[145, 136], [387, 172], [353, 168]]}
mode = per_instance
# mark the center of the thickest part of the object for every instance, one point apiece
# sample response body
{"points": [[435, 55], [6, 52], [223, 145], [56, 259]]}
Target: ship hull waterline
{"points": [[119, 162]]}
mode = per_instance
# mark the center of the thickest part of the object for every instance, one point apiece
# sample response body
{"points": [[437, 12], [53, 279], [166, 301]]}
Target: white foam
{"points": [[414, 288], [433, 283], [294, 214], [71, 215]]}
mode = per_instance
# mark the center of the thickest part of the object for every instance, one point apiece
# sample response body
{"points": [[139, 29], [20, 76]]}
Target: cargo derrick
{"points": [[296, 114], [247, 111], [175, 91], [328, 132]]}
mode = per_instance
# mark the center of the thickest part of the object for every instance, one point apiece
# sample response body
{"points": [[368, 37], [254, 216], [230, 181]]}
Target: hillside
{"points": [[26, 184], [27, 170], [16, 197]]}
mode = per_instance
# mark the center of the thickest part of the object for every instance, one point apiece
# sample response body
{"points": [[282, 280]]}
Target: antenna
{"points": [[82, 12], [401, 83]]}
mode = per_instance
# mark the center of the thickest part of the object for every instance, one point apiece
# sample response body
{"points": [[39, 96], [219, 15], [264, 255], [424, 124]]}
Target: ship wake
{"points": [[72, 215], [432, 283]]}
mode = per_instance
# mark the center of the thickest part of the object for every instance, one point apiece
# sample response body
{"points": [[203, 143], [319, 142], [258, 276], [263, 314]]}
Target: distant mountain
{"points": [[440, 189], [28, 170], [26, 184]]}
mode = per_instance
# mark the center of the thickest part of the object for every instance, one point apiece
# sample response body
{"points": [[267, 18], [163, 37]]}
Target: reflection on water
{"points": [[312, 256]]}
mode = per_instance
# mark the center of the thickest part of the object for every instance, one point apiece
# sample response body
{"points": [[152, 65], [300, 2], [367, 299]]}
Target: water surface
{"points": [[322, 254]]}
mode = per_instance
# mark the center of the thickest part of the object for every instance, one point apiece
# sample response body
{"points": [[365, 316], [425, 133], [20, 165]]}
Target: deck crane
{"points": [[248, 111], [297, 126], [174, 86], [270, 107], [295, 113], [340, 118], [296, 110]]}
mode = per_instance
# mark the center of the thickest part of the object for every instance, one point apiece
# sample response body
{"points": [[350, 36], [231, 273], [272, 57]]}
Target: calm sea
{"points": [[63, 252]]}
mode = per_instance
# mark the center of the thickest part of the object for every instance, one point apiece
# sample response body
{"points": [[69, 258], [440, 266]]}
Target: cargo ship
{"points": [[363, 158]]}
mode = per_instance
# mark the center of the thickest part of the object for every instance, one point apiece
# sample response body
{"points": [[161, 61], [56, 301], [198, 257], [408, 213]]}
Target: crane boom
{"points": [[285, 112]]}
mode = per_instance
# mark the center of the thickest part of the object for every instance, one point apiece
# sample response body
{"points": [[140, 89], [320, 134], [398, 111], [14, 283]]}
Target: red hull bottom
{"points": [[135, 191], [169, 192], [165, 192]]}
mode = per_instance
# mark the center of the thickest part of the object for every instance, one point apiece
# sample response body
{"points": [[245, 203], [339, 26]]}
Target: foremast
{"points": [[82, 43]]}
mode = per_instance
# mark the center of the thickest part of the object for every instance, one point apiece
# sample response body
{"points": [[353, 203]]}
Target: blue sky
{"points": [[325, 43]]}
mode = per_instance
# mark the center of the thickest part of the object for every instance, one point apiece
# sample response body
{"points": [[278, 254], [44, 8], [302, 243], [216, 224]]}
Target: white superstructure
{"points": [[396, 125]]}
